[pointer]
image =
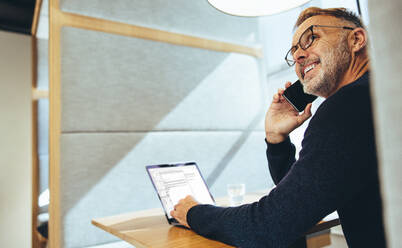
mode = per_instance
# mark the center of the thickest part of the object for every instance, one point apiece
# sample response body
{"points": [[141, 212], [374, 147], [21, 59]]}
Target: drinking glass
{"points": [[236, 193]]}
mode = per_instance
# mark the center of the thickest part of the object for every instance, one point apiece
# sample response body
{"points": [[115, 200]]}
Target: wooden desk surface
{"points": [[149, 228]]}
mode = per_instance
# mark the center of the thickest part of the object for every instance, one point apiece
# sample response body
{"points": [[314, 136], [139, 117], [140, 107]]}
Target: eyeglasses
{"points": [[305, 41]]}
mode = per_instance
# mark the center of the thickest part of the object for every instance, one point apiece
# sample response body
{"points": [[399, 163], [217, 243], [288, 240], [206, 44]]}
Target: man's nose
{"points": [[300, 55]]}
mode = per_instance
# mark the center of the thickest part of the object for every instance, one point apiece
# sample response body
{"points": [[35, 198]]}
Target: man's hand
{"points": [[282, 118], [181, 209]]}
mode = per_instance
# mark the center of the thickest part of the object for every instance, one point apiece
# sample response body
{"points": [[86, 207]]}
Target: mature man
{"points": [[337, 166]]}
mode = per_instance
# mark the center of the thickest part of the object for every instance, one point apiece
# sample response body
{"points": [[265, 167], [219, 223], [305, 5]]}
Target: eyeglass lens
{"points": [[306, 39]]}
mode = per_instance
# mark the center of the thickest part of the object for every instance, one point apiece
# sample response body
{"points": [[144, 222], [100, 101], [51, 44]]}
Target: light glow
{"points": [[253, 8]]}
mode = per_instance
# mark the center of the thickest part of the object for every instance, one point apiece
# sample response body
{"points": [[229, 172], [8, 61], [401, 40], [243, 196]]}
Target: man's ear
{"points": [[357, 40]]}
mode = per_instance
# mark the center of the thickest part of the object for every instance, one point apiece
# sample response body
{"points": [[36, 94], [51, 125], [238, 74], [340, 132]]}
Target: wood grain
{"points": [[107, 26], [319, 241], [35, 21], [35, 156], [39, 94], [54, 125], [149, 228]]}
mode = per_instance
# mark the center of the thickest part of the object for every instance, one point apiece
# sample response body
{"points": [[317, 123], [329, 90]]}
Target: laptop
{"points": [[173, 182]]}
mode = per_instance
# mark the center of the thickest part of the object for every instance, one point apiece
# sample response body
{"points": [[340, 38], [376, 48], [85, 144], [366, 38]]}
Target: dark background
{"points": [[17, 15]]}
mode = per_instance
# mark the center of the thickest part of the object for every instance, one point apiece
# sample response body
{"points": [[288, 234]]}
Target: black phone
{"points": [[296, 96]]}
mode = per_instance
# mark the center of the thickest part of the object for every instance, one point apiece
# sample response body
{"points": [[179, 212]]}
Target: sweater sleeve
{"points": [[315, 186], [280, 157]]}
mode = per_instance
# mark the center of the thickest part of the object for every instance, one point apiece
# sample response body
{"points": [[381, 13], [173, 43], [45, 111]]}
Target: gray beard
{"points": [[334, 64]]}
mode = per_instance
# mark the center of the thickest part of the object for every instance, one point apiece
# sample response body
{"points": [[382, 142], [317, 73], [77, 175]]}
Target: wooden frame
{"points": [[35, 157], [54, 124], [36, 95], [57, 20], [39, 94], [34, 27], [90, 23]]}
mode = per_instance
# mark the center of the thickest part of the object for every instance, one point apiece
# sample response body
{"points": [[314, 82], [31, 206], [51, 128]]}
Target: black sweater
{"points": [[336, 170]]}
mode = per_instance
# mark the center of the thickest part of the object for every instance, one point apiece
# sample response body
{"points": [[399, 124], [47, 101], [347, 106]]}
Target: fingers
{"points": [[179, 211], [189, 197], [278, 96], [175, 213], [181, 204], [307, 110], [306, 113]]}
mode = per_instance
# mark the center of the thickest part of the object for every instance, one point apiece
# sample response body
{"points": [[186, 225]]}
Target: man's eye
{"points": [[309, 40], [313, 37]]}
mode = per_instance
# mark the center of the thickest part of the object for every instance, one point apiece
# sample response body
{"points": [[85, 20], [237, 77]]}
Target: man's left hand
{"points": [[181, 209]]}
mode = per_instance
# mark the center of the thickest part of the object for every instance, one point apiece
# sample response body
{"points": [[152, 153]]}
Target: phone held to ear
{"points": [[296, 96]]}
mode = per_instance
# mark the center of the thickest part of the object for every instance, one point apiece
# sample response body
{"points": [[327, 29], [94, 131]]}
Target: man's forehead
{"points": [[315, 20]]}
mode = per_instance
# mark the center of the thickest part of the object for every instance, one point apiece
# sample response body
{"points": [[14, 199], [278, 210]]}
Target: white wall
{"points": [[15, 140]]}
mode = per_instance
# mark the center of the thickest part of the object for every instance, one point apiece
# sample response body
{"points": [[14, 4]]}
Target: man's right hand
{"points": [[281, 118]]}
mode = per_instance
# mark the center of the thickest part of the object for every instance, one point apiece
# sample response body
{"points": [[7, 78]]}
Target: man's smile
{"points": [[309, 68]]}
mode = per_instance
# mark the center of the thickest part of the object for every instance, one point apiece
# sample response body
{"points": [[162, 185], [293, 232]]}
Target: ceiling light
{"points": [[255, 7]]}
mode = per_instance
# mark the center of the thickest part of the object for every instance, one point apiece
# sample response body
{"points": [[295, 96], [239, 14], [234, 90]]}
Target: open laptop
{"points": [[173, 182]]}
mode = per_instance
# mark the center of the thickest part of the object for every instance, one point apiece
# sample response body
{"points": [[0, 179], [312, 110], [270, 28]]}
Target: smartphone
{"points": [[296, 96]]}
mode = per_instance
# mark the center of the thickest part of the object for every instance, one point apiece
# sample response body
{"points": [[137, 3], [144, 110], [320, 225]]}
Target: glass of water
{"points": [[236, 193]]}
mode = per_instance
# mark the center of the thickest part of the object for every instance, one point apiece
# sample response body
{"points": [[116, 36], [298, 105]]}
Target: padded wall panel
{"points": [[43, 173], [43, 64], [247, 164], [43, 144], [194, 17], [43, 126], [277, 34], [386, 100], [115, 83], [104, 174]]}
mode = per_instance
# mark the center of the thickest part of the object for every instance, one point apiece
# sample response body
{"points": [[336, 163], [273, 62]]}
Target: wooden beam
{"points": [[319, 241], [91, 23], [35, 157], [54, 125], [39, 94], [35, 21]]}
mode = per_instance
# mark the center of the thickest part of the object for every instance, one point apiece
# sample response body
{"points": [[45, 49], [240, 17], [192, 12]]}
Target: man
{"points": [[337, 166]]}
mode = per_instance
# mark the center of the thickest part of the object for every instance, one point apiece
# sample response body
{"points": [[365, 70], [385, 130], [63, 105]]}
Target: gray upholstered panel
{"points": [[115, 83], [43, 126], [246, 163], [43, 144], [195, 17], [43, 64], [385, 17], [277, 33], [104, 174], [43, 173]]}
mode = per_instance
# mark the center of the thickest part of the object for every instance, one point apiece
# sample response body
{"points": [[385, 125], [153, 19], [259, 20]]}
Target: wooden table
{"points": [[149, 228]]}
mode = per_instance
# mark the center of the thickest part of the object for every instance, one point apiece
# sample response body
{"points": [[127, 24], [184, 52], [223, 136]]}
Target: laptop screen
{"points": [[173, 182]]}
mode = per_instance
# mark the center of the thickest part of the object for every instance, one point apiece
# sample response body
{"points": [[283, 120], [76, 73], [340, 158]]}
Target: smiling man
{"points": [[337, 166]]}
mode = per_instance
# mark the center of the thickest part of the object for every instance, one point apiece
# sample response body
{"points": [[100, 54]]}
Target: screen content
{"points": [[175, 183]]}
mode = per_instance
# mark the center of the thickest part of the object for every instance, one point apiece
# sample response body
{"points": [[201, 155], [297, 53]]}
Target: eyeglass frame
{"points": [[293, 62]]}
